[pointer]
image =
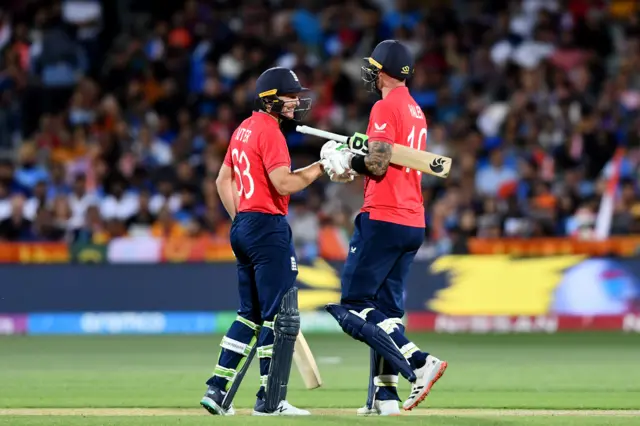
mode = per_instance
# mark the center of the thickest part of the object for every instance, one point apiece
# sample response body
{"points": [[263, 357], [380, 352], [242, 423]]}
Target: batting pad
{"points": [[286, 327]]}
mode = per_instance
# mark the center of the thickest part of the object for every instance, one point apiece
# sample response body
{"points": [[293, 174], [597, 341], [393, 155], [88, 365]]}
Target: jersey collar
{"points": [[266, 118], [399, 89]]}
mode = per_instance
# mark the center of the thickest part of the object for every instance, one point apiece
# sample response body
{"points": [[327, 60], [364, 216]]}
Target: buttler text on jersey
{"points": [[243, 134]]}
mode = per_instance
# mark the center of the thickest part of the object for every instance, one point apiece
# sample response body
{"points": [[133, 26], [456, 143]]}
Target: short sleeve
{"points": [[227, 157], [274, 150], [381, 123]]}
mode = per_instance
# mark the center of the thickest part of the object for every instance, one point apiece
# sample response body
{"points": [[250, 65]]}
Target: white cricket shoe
{"points": [[284, 409], [426, 377], [381, 408]]}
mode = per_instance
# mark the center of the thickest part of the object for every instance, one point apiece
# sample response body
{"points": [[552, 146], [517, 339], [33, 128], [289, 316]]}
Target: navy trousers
{"points": [[267, 264], [379, 258]]}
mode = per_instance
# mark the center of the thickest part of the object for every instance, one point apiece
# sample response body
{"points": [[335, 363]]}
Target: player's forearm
{"points": [[376, 162], [301, 178], [227, 194]]}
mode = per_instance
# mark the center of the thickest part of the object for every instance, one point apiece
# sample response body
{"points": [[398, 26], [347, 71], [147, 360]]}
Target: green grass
{"points": [[325, 420], [562, 371]]}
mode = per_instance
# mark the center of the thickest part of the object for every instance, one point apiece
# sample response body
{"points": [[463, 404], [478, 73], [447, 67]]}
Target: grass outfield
{"points": [[317, 420], [165, 376]]}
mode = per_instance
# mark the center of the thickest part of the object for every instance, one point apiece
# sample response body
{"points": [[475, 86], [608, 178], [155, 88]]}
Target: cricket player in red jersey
{"points": [[389, 230], [255, 183]]}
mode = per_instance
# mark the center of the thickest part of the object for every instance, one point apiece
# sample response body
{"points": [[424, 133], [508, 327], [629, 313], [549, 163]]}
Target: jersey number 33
{"points": [[242, 166]]}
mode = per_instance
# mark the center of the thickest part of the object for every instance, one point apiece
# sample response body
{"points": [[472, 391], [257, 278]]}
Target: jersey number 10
{"points": [[240, 159], [411, 141]]}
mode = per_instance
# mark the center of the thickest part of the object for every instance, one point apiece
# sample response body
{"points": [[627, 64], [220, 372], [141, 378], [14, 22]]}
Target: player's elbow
{"points": [[221, 183], [288, 184], [281, 179]]}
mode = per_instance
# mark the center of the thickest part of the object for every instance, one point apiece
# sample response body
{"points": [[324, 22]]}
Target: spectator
{"points": [[7, 177], [44, 227], [166, 226], [142, 221], [5, 201], [58, 185], [86, 17], [532, 99], [79, 202], [30, 172], [16, 227], [37, 201], [493, 176], [62, 215], [119, 205], [165, 196], [151, 150], [58, 61], [70, 149], [93, 229], [188, 204]]}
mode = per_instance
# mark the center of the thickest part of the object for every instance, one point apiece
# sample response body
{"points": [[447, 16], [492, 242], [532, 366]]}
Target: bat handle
{"points": [[322, 134]]}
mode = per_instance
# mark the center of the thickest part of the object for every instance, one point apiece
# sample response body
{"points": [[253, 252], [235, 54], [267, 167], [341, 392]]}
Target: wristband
{"points": [[359, 166]]}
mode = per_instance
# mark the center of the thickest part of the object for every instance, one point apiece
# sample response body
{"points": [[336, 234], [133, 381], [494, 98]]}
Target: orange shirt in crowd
{"points": [[65, 154], [175, 230]]}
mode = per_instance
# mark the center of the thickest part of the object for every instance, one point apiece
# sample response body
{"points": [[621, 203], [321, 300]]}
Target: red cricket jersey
{"points": [[258, 147], [397, 196]]}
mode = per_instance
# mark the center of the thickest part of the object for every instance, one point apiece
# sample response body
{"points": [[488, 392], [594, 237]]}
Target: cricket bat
{"points": [[423, 161], [307, 366]]}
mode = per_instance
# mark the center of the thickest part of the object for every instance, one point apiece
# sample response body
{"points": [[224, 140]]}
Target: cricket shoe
{"points": [[284, 409], [212, 402], [381, 408], [426, 377]]}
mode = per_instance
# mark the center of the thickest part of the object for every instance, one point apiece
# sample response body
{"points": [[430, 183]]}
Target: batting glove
{"points": [[330, 147], [340, 161], [347, 177]]}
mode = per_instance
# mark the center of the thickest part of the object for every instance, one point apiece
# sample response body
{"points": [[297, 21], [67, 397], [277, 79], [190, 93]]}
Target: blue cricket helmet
{"points": [[391, 57], [281, 81]]}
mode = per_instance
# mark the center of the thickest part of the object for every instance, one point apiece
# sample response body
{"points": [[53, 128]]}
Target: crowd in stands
{"points": [[115, 115]]}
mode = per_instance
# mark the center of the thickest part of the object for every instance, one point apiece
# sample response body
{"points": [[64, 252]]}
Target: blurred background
{"points": [[115, 116]]}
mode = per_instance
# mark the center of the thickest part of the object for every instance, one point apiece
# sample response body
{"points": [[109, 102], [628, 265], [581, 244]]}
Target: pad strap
{"points": [[386, 380], [235, 346]]}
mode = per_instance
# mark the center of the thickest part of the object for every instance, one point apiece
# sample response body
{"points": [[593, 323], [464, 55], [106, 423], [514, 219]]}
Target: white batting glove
{"points": [[328, 148], [335, 177], [340, 160], [336, 160]]}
